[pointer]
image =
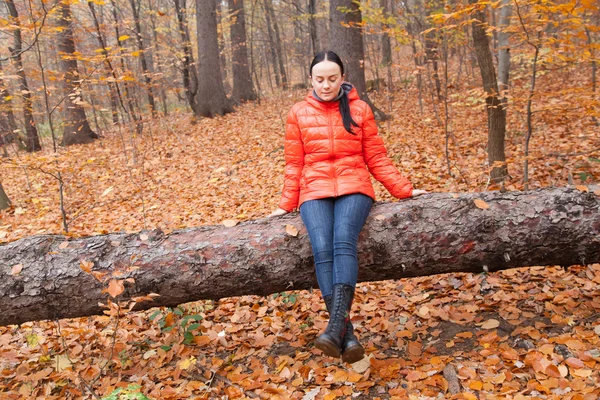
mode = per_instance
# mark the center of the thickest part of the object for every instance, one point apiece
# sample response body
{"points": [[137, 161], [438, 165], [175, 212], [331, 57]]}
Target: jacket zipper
{"points": [[332, 154]]}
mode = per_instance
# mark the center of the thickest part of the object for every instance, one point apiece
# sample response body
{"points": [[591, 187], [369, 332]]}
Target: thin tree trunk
{"points": [[211, 96], [417, 237], [386, 46], [272, 47], [159, 67], [312, 23], [495, 111], [77, 130], [112, 83], [145, 70], [504, 49], [7, 132], [190, 78], [243, 89], [32, 141], [278, 44]]}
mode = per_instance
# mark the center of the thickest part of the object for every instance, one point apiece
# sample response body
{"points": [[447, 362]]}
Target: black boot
{"points": [[352, 350], [330, 342]]}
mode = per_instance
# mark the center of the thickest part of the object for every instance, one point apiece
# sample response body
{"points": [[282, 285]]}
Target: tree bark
{"points": [[211, 97], [8, 123], [312, 24], [278, 46], [495, 110], [190, 78], [504, 48], [4, 200], [77, 130], [346, 39], [31, 133], [141, 48], [41, 277], [243, 89]]}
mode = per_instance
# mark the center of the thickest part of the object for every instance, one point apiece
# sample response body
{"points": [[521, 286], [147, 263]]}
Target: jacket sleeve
{"points": [[294, 163], [379, 163]]}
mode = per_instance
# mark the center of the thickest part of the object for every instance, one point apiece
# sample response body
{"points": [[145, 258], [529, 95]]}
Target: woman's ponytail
{"points": [[345, 111]]}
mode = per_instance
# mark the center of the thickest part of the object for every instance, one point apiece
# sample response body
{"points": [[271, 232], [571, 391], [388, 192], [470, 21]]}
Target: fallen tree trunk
{"points": [[41, 276]]}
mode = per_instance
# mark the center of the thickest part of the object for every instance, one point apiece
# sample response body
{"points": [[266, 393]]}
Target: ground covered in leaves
{"points": [[525, 333]]}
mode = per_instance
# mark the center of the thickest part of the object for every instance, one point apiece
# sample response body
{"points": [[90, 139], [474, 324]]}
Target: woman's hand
{"points": [[278, 212], [418, 192]]}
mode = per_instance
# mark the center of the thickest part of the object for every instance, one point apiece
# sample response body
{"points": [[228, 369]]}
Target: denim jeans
{"points": [[333, 225]]}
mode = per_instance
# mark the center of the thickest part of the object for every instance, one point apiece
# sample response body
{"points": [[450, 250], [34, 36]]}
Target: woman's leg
{"points": [[317, 216], [350, 213]]}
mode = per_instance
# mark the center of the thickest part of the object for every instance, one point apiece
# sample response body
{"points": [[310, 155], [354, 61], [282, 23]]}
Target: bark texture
{"points": [[432, 234], [77, 130], [31, 133], [211, 97], [495, 109], [346, 39], [190, 78], [243, 89]]}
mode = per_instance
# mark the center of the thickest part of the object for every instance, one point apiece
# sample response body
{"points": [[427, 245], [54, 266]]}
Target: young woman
{"points": [[331, 138]]}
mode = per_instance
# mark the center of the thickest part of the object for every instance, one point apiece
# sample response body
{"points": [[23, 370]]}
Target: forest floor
{"points": [[516, 334]]}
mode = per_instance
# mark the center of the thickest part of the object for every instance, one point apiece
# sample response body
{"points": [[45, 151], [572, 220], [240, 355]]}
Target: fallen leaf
{"points": [[490, 324], [481, 204], [230, 222], [583, 188], [107, 191], [362, 365], [61, 362], [291, 230], [311, 394], [143, 237], [63, 245]]}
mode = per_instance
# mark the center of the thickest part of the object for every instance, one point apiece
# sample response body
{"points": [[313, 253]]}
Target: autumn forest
{"points": [[142, 148]]}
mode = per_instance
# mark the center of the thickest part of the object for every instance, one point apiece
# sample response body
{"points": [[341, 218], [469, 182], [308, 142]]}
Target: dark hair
{"points": [[344, 103]]}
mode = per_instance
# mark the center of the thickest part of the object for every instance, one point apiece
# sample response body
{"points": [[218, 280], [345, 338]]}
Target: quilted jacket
{"points": [[323, 160]]}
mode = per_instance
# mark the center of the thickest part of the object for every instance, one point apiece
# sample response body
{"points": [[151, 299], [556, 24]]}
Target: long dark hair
{"points": [[344, 103]]}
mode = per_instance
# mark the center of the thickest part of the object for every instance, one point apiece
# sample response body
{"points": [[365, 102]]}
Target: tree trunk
{"points": [[243, 90], [272, 48], [386, 47], [76, 127], [346, 39], [504, 49], [312, 23], [43, 277], [495, 111], [278, 46], [4, 200], [8, 123], [190, 79], [113, 86], [31, 133], [140, 43], [211, 94]]}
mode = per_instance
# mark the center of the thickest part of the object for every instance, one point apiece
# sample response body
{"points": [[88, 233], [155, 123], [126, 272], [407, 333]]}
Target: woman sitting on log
{"points": [[330, 140]]}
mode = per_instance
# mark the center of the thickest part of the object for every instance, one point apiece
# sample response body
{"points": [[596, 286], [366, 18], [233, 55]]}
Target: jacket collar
{"points": [[327, 105]]}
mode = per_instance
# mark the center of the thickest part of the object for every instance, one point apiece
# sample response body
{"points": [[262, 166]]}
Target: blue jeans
{"points": [[333, 225]]}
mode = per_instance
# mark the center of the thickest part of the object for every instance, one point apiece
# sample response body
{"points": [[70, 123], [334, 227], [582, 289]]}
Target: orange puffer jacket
{"points": [[323, 160]]}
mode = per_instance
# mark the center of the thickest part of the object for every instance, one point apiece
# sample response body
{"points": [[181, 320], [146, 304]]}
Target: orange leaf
{"points": [[230, 223], [115, 288], [63, 245], [481, 204], [291, 230], [583, 188], [86, 266], [201, 340], [574, 362], [476, 385], [552, 370]]}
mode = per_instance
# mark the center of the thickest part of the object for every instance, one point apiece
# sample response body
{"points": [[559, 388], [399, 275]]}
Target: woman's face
{"points": [[326, 79]]}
